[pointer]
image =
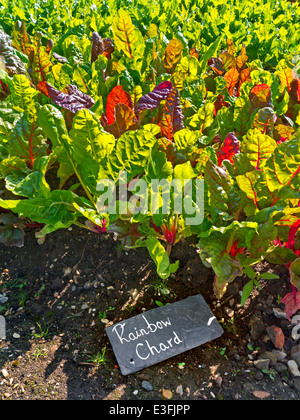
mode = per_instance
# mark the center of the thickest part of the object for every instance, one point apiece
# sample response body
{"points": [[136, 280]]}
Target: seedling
{"points": [[254, 281], [99, 359]]}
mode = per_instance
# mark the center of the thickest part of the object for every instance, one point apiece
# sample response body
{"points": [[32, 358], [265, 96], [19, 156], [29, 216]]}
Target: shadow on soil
{"points": [[63, 294]]}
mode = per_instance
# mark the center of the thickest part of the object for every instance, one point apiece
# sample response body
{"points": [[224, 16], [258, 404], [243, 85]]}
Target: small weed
{"points": [[43, 332], [271, 373], [39, 353], [99, 359]]}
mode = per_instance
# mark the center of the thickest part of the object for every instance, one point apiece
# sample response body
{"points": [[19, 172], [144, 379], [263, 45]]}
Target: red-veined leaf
{"points": [[286, 78], [124, 120], [242, 58], [292, 303], [260, 96], [116, 96], [172, 55], [229, 148], [285, 132], [228, 60], [172, 108], [41, 63], [231, 77]]}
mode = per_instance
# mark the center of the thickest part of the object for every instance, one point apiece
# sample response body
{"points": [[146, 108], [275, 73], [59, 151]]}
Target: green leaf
{"points": [[131, 154], [203, 118], [56, 210], [211, 52], [89, 141], [22, 94], [257, 147], [247, 290], [127, 37], [269, 276], [283, 167], [27, 140], [160, 257], [224, 199]]}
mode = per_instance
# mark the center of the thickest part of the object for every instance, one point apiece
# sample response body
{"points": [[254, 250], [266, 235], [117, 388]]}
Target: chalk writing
{"points": [[161, 333]]}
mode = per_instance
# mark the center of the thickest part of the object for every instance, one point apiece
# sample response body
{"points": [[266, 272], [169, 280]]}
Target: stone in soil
{"points": [[276, 336], [293, 368], [147, 386]]}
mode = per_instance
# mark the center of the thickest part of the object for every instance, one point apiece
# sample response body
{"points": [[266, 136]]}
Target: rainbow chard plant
{"points": [[125, 91]]}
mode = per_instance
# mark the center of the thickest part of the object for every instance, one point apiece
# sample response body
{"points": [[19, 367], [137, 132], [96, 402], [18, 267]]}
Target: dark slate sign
{"points": [[161, 333]]}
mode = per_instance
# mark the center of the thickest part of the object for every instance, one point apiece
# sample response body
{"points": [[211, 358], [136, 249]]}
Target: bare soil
{"points": [[63, 294]]}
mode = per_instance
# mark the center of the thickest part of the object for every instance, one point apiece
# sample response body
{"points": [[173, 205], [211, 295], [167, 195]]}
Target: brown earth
{"points": [[63, 294]]}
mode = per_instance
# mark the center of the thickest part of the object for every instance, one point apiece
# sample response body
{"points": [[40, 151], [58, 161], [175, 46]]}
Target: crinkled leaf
{"points": [[97, 46], [127, 37], [116, 96], [27, 140], [172, 55], [203, 118], [125, 120], [283, 167], [260, 96], [41, 64], [130, 154], [89, 141], [224, 199], [257, 147], [22, 94], [153, 99], [73, 101], [56, 210], [10, 57], [229, 148]]}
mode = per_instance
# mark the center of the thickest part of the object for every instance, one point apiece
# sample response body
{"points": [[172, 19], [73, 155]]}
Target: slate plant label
{"points": [[161, 333]]}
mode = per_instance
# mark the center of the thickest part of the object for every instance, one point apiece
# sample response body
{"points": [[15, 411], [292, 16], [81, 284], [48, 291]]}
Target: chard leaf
{"points": [[124, 120], [56, 210], [172, 55], [127, 37], [257, 147], [160, 257], [153, 99], [229, 148], [22, 94], [116, 96], [224, 199], [131, 153], [89, 141], [41, 62], [73, 101], [172, 119], [283, 167], [27, 140]]}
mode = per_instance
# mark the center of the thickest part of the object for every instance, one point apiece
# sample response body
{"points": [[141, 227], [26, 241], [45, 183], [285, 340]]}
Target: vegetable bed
{"points": [[100, 99]]}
